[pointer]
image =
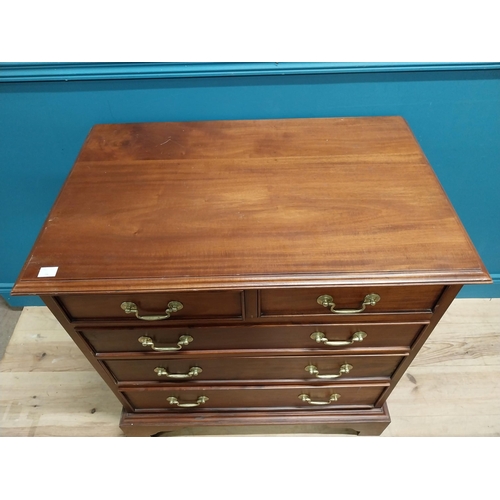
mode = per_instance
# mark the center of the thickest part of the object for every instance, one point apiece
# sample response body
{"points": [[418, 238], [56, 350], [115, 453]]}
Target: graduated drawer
{"points": [[248, 397], [347, 300], [195, 305], [177, 370], [331, 337]]}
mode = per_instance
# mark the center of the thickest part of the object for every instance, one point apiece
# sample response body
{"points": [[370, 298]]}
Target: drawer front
{"points": [[310, 368], [155, 308], [331, 337], [347, 300], [295, 397]]}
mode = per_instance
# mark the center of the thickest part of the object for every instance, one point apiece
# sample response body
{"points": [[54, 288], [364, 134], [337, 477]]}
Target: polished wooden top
{"points": [[238, 204]]}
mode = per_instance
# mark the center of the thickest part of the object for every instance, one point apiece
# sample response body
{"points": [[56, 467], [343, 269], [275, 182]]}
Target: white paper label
{"points": [[47, 272]]}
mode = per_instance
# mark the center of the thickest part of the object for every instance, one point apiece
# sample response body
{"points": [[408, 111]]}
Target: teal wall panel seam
{"points": [[38, 72]]}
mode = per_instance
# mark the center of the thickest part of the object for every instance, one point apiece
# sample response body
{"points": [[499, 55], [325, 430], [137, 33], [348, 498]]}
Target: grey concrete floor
{"points": [[8, 320]]}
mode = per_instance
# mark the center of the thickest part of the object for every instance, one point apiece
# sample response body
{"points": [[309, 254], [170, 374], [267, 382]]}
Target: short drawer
{"points": [[252, 368], [185, 399], [155, 308], [331, 337], [342, 301]]}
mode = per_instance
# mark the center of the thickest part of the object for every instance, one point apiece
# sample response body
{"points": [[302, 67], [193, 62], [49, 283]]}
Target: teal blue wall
{"points": [[47, 111]]}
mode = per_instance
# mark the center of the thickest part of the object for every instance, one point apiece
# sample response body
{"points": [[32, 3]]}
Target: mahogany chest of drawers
{"points": [[268, 272]]}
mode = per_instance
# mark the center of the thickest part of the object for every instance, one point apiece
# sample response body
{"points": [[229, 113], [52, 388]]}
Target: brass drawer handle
{"points": [[183, 340], [172, 307], [307, 399], [313, 370], [320, 337], [327, 301], [174, 401], [193, 372]]}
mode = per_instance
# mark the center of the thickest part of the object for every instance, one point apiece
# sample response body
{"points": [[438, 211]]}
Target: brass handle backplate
{"points": [[172, 307], [183, 341], [174, 401], [193, 372], [307, 399], [327, 301], [320, 337], [313, 370]]}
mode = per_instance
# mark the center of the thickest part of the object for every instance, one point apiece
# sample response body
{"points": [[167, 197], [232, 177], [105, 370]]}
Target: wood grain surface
{"points": [[48, 388], [247, 223], [270, 368], [120, 340], [250, 204]]}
